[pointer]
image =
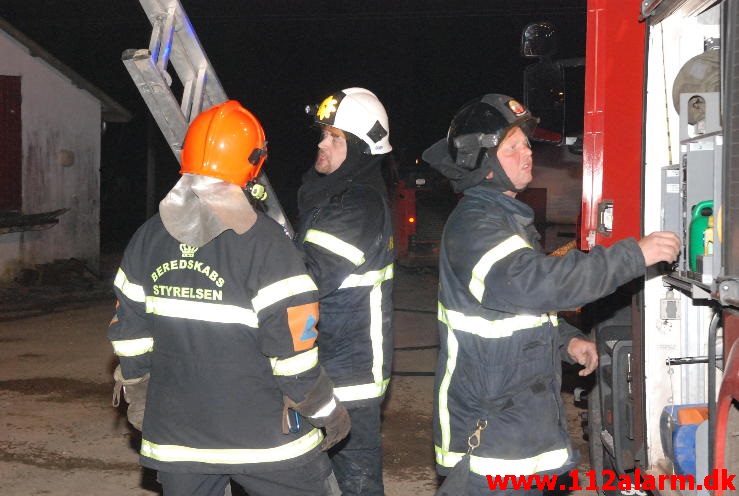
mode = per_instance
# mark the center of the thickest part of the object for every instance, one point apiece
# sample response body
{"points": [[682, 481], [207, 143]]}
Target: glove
{"points": [[134, 392], [336, 425], [322, 410]]}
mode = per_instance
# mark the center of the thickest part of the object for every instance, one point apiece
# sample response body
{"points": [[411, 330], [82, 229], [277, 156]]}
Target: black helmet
{"points": [[483, 123], [480, 125]]}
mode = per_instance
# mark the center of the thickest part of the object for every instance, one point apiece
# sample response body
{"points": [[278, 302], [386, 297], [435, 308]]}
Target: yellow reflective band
{"points": [[198, 310], [376, 333], [371, 278], [447, 458], [452, 346], [361, 391], [335, 245], [281, 290], [296, 364], [326, 409], [174, 453], [490, 329], [481, 269], [133, 347], [549, 460], [478, 326], [132, 291]]}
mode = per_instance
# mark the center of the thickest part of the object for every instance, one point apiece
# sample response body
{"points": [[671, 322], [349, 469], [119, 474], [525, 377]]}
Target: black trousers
{"points": [[312, 479], [357, 460]]}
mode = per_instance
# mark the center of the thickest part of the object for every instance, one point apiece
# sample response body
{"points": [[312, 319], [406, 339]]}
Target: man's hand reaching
{"points": [[660, 246], [584, 353]]}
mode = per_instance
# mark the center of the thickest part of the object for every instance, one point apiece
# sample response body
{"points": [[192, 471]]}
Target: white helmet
{"points": [[357, 111]]}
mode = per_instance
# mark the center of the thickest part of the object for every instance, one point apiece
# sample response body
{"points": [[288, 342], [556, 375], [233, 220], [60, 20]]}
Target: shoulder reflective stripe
{"points": [[451, 363], [198, 310], [133, 347], [372, 278], [283, 289], [361, 391], [132, 291], [326, 410], [174, 453], [335, 245], [490, 329], [295, 364], [549, 460], [480, 271]]}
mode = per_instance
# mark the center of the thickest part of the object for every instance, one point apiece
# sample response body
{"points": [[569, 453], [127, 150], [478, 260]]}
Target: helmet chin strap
{"points": [[500, 180]]}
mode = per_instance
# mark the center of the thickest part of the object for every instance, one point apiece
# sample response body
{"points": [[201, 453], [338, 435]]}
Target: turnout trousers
{"points": [[357, 460], [312, 479]]}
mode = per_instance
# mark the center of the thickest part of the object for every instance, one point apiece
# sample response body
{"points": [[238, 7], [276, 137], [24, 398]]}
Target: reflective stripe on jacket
{"points": [[348, 249], [213, 328], [501, 342]]}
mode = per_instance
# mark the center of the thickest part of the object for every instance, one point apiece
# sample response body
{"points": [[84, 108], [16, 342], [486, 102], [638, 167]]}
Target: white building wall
{"points": [[60, 123]]}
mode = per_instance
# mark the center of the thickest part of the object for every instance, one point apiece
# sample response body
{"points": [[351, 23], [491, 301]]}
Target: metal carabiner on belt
{"points": [[474, 440]]}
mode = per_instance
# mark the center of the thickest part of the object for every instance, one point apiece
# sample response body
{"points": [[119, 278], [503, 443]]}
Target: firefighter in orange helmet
{"points": [[215, 332]]}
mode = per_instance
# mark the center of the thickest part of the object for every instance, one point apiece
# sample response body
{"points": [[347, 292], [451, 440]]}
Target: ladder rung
{"points": [[174, 40], [158, 97], [186, 53]]}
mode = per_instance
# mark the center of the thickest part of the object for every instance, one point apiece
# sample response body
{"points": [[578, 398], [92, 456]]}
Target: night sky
{"points": [[423, 58]]}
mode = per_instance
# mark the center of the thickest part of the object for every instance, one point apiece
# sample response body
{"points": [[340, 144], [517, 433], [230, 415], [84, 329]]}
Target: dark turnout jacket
{"points": [[225, 331], [346, 236], [502, 343]]}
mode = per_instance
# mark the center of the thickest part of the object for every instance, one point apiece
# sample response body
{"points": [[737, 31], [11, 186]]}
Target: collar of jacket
{"points": [[512, 205], [522, 214], [318, 190]]}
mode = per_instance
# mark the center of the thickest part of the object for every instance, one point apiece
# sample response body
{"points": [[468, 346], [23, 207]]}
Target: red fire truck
{"points": [[421, 201], [660, 152]]}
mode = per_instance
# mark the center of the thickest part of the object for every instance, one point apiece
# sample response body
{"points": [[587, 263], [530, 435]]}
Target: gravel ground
{"points": [[61, 436]]}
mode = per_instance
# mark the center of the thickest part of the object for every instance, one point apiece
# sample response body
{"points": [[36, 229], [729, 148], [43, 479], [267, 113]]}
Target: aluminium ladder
{"points": [[173, 39]]}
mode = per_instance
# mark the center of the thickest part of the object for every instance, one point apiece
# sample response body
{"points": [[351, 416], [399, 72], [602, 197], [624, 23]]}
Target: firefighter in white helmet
{"points": [[498, 409], [215, 332], [346, 236]]}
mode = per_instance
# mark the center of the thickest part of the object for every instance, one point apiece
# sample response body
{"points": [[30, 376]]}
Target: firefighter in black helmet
{"points": [[499, 374]]}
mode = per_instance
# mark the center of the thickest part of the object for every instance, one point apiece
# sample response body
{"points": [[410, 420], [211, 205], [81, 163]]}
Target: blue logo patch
{"points": [[308, 331]]}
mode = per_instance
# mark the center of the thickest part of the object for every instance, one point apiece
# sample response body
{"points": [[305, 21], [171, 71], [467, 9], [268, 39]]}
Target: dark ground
{"points": [[57, 286], [59, 291]]}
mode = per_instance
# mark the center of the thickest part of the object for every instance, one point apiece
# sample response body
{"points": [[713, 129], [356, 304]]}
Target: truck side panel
{"points": [[614, 91]]}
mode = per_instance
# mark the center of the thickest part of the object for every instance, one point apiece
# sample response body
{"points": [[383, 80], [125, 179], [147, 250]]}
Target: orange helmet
{"points": [[226, 142]]}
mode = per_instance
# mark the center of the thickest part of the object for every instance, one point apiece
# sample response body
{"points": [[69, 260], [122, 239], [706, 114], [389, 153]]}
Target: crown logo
{"points": [[187, 250]]}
